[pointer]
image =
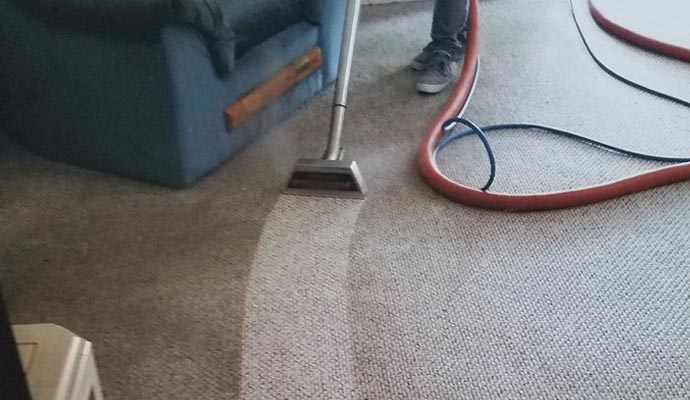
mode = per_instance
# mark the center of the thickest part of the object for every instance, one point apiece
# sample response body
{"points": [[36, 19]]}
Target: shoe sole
{"points": [[429, 88]]}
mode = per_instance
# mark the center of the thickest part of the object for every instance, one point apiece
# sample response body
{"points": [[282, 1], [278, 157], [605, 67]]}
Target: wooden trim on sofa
{"points": [[245, 108]]}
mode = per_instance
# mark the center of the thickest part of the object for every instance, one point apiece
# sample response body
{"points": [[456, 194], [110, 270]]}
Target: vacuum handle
{"points": [[333, 151]]}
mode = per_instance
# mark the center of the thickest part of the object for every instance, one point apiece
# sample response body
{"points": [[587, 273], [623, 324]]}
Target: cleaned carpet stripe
{"points": [[296, 332]]}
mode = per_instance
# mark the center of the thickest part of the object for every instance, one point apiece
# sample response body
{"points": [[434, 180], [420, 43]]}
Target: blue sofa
{"points": [[149, 105]]}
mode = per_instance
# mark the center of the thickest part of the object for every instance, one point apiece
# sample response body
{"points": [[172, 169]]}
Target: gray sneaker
{"points": [[437, 76], [426, 57], [422, 61]]}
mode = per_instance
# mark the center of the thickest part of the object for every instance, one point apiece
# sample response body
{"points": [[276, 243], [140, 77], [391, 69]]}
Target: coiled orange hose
{"points": [[520, 202]]}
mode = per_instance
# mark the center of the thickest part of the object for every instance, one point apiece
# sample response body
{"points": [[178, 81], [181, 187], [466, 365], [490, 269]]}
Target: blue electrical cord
{"points": [[481, 133], [452, 136], [477, 131]]}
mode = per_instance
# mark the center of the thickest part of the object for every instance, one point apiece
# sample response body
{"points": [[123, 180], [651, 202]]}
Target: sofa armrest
{"points": [[329, 15]]}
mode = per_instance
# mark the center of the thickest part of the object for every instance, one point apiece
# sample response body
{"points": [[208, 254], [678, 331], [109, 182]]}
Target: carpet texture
{"points": [[297, 328], [656, 71], [664, 21], [225, 291]]}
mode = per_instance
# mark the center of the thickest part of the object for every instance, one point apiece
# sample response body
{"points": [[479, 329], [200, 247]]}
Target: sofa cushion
{"points": [[126, 17], [220, 21], [255, 21]]}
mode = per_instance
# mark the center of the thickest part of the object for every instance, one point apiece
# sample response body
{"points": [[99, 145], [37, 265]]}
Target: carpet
{"points": [[656, 71], [664, 23], [297, 328], [231, 290]]}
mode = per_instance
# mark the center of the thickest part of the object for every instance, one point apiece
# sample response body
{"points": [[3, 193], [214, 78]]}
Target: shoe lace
{"points": [[441, 61]]}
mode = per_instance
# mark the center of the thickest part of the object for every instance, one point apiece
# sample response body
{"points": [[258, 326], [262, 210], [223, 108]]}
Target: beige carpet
{"points": [[230, 289], [664, 22], [656, 71], [297, 331]]}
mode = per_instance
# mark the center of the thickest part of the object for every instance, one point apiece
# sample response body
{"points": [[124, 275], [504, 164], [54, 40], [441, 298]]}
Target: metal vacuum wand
{"points": [[334, 151], [331, 175]]}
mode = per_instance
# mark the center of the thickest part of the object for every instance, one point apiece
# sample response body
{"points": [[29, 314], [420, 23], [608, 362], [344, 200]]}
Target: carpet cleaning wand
{"points": [[333, 176]]}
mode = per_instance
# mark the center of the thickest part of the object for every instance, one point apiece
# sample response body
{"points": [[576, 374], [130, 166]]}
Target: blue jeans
{"points": [[448, 27]]}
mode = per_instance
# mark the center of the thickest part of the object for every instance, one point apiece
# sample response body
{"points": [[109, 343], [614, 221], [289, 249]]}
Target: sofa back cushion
{"points": [[255, 21]]}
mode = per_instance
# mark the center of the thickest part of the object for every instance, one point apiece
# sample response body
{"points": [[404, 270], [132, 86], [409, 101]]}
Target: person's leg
{"points": [[438, 62], [448, 26], [447, 32]]}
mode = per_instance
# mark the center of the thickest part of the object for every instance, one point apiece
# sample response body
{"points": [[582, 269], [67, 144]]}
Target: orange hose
{"points": [[520, 202], [628, 35]]}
